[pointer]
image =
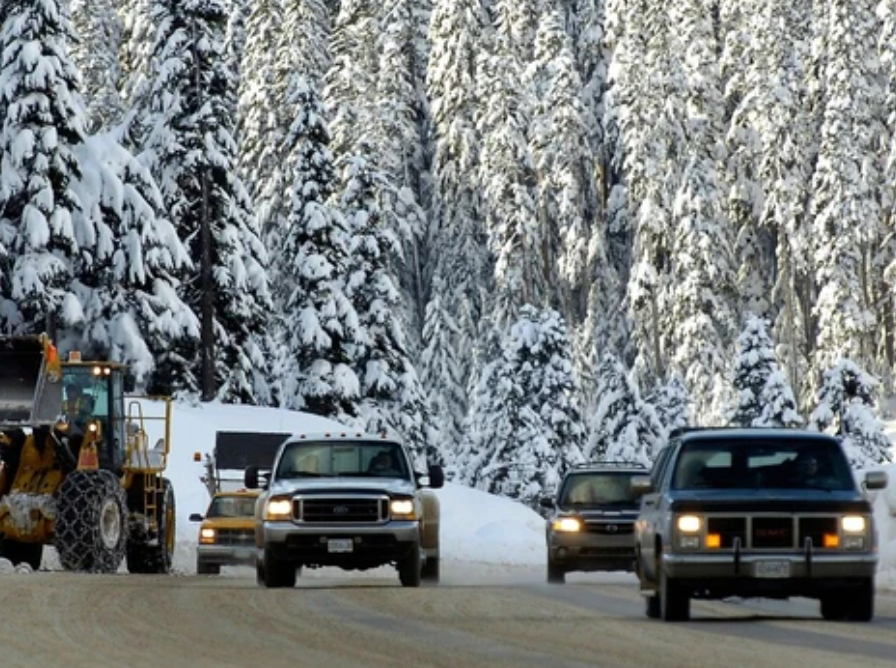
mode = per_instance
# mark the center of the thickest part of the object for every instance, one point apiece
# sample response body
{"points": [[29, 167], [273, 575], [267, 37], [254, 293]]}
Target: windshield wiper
{"points": [[304, 474]]}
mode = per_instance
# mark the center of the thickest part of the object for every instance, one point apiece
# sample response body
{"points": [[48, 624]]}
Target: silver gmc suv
{"points": [[346, 500], [769, 513]]}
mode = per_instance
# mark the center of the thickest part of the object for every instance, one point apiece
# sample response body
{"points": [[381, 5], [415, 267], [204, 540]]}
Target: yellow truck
{"points": [[226, 532]]}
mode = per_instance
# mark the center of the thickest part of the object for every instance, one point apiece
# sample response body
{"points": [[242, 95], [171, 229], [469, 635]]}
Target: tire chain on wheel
{"points": [[78, 535]]}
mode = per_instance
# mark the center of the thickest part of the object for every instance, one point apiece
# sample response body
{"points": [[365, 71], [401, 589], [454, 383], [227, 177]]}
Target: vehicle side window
{"points": [[662, 461]]}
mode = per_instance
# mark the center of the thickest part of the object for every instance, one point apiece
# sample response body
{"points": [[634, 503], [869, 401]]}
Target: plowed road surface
{"points": [[337, 620]]}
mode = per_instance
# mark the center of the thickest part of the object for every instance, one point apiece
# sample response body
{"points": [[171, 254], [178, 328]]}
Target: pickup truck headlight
{"points": [[279, 509], [403, 509], [689, 524], [853, 524], [567, 525], [207, 536]]}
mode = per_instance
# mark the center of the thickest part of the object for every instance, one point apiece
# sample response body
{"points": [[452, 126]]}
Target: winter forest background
{"points": [[519, 233]]}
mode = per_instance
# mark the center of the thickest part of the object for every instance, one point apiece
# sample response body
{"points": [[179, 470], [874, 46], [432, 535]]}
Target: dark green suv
{"points": [[591, 522]]}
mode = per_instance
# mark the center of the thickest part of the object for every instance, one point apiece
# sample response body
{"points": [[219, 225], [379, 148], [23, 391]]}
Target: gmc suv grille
{"points": [[769, 532], [341, 509]]}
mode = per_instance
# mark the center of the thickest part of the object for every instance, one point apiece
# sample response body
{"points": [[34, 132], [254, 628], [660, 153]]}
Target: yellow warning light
{"points": [[831, 540], [713, 540]]}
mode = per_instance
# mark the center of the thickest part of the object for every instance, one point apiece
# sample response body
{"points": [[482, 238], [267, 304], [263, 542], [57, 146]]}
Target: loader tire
{"points": [[21, 553], [91, 522], [148, 553]]}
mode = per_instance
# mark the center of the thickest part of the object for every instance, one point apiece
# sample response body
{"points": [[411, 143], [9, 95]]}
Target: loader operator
{"points": [[77, 406]]}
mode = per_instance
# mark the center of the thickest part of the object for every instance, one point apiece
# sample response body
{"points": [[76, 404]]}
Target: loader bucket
{"points": [[28, 396]]}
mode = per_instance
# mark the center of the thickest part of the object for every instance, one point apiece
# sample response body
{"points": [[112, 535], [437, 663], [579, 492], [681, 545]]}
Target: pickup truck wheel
{"points": [[652, 606], [409, 571], [277, 573], [861, 603], [430, 572], [556, 574], [675, 603], [203, 568]]}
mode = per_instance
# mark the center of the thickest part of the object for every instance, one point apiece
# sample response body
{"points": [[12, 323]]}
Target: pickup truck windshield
{"points": [[762, 464], [315, 459]]}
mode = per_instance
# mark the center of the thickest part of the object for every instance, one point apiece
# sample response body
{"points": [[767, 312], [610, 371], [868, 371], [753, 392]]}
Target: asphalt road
{"points": [[476, 617]]}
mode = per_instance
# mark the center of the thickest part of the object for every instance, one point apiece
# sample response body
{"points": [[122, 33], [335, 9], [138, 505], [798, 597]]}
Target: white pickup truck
{"points": [[348, 500]]}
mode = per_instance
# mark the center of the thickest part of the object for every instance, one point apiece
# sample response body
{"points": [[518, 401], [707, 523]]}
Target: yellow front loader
{"points": [[77, 470]]}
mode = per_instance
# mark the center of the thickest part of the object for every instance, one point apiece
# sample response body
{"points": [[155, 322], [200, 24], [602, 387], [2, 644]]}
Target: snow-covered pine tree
{"points": [[544, 426], [129, 271], [135, 51], [186, 136], [319, 329], [845, 210], [457, 239], [260, 126], [624, 427], [304, 45], [671, 403], [41, 123], [483, 421], [442, 377], [506, 173], [95, 53], [644, 88], [392, 396], [754, 362], [703, 306], [845, 407], [398, 130], [779, 407], [351, 78]]}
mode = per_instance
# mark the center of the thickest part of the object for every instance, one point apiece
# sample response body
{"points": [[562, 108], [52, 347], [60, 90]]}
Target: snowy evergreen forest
{"points": [[520, 234]]}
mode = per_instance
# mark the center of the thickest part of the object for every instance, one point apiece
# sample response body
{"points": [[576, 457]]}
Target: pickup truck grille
{"points": [[611, 528], [341, 509], [235, 537], [770, 532]]}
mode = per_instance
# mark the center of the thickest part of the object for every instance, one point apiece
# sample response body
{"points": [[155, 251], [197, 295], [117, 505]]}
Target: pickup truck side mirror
{"points": [[876, 479], [436, 476], [546, 502], [195, 517], [641, 485], [250, 477]]}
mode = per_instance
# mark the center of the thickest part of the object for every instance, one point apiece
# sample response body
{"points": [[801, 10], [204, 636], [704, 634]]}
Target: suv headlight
{"points": [[567, 525], [853, 524], [207, 536], [689, 524], [403, 509], [278, 509]]}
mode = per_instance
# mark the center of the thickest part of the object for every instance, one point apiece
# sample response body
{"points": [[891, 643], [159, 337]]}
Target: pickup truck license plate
{"points": [[340, 545], [772, 569]]}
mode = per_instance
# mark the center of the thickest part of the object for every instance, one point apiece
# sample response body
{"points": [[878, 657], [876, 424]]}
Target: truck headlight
{"points": [[403, 509], [567, 525], [207, 536], [279, 509], [689, 523], [853, 524]]}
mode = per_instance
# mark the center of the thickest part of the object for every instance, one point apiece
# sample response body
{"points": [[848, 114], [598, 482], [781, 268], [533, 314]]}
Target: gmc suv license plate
{"points": [[772, 569], [340, 545]]}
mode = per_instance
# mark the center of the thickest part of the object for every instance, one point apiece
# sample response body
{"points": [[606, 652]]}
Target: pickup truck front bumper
{"points": [[223, 555], [350, 546]]}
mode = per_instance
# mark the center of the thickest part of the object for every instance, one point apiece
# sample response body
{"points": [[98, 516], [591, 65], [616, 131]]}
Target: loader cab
{"points": [[95, 392]]}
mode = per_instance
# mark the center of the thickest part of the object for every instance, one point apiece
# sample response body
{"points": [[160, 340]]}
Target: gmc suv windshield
{"points": [[788, 464]]}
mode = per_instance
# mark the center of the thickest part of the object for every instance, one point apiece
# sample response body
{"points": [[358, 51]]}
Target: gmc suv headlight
{"points": [[853, 524], [567, 525], [403, 509], [279, 509], [207, 536], [689, 524]]}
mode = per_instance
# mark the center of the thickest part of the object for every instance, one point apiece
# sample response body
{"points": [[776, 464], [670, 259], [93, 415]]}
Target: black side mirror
{"points": [[130, 382], [250, 477], [546, 502], [436, 476], [195, 517]]}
